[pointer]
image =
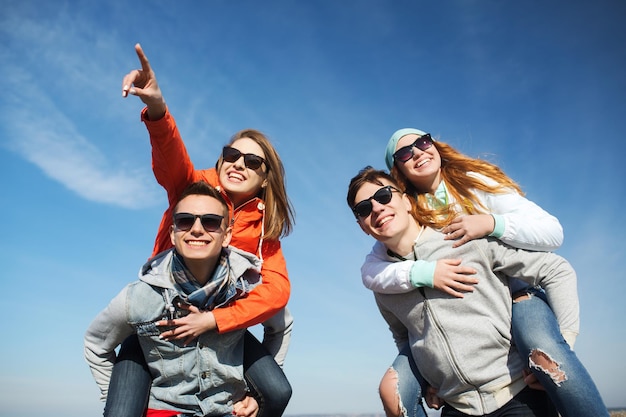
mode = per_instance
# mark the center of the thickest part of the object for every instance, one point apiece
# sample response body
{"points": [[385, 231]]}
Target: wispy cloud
{"points": [[48, 128], [38, 131]]}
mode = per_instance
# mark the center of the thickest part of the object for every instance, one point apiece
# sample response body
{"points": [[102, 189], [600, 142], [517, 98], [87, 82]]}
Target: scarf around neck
{"points": [[218, 290]]}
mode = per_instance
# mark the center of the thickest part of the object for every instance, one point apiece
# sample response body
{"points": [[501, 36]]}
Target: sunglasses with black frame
{"points": [[210, 222], [382, 196], [250, 160], [406, 152]]}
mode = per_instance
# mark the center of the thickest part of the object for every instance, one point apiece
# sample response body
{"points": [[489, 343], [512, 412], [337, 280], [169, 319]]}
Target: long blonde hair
{"points": [[278, 209], [454, 169]]}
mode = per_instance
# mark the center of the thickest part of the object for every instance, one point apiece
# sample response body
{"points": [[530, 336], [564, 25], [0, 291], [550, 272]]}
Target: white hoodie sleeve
{"points": [[524, 224], [106, 332], [382, 274]]}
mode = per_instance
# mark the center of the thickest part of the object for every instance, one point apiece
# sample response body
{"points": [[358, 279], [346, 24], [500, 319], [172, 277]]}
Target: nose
{"points": [[416, 152], [376, 206], [197, 227], [239, 163]]}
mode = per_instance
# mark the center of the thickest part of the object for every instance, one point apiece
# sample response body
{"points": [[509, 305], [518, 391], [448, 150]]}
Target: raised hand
{"points": [[143, 84]]}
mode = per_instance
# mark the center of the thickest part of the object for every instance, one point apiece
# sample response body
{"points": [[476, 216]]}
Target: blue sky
{"points": [[537, 87]]}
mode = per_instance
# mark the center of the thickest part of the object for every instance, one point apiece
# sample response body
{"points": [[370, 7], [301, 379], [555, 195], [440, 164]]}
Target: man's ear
{"points": [[228, 235], [407, 203], [172, 235]]}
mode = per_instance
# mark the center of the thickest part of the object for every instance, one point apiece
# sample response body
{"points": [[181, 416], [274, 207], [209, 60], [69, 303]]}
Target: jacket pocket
{"points": [[147, 329]]}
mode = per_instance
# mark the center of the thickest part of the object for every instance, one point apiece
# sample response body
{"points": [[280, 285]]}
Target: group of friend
{"points": [[483, 314]]}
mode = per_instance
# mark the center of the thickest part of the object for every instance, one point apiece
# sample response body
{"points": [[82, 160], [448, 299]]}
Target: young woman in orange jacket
{"points": [[250, 176]]}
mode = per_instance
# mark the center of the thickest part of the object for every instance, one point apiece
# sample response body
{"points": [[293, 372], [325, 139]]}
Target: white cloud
{"points": [[42, 134], [55, 102]]}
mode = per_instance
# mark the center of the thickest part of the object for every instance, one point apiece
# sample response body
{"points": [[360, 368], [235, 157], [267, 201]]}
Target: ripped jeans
{"points": [[534, 327], [411, 385], [539, 341]]}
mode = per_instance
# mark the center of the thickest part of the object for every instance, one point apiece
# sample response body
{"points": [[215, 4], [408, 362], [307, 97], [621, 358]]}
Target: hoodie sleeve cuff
{"points": [[422, 274], [498, 228]]}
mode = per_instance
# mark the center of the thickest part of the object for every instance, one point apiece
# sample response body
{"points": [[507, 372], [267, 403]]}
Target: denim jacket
{"points": [[204, 378]]}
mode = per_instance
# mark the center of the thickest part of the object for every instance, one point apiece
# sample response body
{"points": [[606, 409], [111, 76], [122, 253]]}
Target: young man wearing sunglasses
{"points": [[462, 346], [195, 376]]}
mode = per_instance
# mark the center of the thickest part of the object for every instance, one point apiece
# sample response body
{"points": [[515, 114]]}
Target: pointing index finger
{"points": [[134, 75], [145, 64]]}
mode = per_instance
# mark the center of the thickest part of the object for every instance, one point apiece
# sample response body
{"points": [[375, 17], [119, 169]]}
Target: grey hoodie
{"points": [[462, 346]]}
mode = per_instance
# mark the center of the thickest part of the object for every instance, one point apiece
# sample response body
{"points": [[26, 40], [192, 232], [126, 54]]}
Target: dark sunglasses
{"points": [[383, 196], [406, 152], [185, 221], [250, 160]]}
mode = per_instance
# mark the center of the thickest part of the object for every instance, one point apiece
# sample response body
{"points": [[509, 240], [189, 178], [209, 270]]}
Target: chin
{"points": [[235, 187], [383, 234]]}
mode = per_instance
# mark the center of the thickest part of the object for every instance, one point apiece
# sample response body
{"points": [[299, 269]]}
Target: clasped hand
{"points": [[189, 327], [466, 228]]}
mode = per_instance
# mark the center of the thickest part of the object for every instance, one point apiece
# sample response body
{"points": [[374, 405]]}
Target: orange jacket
{"points": [[174, 170]]}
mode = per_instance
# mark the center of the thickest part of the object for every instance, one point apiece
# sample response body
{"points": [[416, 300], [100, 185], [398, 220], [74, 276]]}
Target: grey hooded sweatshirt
{"points": [[463, 346]]}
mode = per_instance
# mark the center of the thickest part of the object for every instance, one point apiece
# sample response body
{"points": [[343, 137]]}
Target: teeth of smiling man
{"points": [[197, 242], [384, 220]]}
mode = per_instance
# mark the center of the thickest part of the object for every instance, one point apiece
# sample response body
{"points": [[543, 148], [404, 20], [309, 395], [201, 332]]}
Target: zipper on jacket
{"points": [[464, 379], [448, 345]]}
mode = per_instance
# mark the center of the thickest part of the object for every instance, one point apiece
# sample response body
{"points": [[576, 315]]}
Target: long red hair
{"points": [[455, 167]]}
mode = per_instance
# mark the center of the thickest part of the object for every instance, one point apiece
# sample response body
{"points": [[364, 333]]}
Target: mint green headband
{"points": [[393, 142]]}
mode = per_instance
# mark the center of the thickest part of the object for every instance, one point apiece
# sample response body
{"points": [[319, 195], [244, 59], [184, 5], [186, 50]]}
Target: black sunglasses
{"points": [[383, 196], [250, 160], [185, 221], [406, 152]]}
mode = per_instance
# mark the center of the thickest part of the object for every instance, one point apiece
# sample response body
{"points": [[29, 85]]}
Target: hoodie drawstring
{"points": [[261, 207]]}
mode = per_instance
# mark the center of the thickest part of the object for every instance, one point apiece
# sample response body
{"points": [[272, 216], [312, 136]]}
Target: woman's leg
{"points": [[266, 379], [130, 383], [540, 343], [401, 387]]}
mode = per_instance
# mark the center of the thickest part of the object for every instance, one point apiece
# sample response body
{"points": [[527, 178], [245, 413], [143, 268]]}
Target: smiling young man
{"points": [[203, 376], [462, 346]]}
